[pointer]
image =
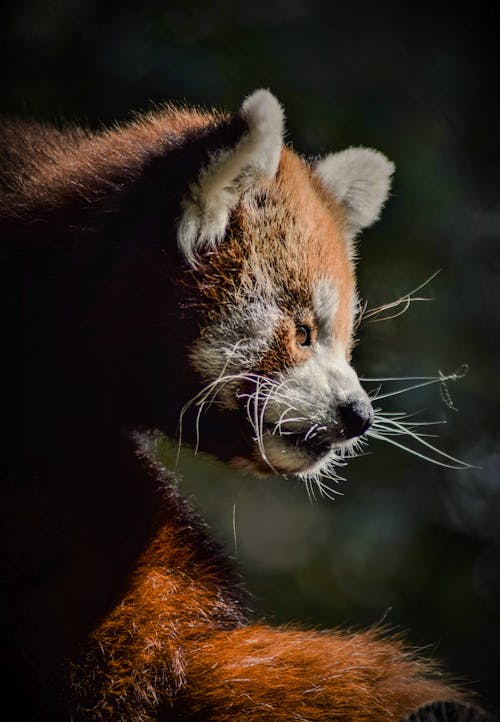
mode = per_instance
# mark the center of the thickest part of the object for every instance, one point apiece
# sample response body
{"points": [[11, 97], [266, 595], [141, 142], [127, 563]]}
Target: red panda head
{"points": [[269, 238]]}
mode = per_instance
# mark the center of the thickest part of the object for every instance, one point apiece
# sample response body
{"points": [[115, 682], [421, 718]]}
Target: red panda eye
{"points": [[303, 335]]}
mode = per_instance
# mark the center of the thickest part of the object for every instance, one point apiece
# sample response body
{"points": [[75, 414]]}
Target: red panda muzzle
{"points": [[350, 420]]}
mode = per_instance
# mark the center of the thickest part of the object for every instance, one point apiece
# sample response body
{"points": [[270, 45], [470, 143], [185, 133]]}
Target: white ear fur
{"points": [[256, 156], [360, 179]]}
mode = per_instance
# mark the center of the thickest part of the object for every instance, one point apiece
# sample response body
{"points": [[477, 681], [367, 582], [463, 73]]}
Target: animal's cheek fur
{"points": [[230, 349]]}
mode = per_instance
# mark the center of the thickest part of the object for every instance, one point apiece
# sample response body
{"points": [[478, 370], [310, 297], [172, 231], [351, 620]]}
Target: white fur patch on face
{"points": [[211, 198], [360, 180], [228, 351], [325, 304], [324, 381]]}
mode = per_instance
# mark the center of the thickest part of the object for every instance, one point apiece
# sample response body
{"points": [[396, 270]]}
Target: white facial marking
{"points": [[233, 347], [325, 302], [323, 380]]}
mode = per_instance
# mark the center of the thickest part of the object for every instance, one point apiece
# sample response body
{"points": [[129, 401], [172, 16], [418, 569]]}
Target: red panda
{"points": [[183, 259]]}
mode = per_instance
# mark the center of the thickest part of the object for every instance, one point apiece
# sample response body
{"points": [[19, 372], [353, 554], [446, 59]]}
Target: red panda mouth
{"points": [[287, 439], [299, 451], [272, 426], [348, 421], [314, 441]]}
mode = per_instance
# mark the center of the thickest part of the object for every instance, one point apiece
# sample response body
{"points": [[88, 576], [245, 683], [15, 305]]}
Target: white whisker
{"points": [[200, 399], [256, 410], [401, 378], [420, 440], [459, 464], [311, 432], [406, 300], [407, 388], [288, 420]]}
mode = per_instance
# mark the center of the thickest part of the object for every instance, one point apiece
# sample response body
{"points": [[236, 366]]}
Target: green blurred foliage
{"points": [[408, 544]]}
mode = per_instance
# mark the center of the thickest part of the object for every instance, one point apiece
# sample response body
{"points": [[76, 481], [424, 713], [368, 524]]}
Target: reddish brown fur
{"points": [[164, 631], [170, 641], [304, 236], [262, 673], [295, 238], [285, 351]]}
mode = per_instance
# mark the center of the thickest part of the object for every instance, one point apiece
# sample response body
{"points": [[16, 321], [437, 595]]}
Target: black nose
{"points": [[354, 417]]}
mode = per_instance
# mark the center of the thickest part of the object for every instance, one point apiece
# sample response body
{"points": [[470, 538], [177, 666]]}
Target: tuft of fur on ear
{"points": [[216, 191], [360, 179]]}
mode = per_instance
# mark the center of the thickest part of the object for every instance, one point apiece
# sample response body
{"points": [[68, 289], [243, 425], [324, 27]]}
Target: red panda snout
{"points": [[346, 421], [311, 424]]}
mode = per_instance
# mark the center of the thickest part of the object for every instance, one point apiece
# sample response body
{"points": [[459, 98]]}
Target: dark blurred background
{"points": [[408, 543]]}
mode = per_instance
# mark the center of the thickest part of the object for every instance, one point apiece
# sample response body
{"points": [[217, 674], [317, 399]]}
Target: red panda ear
{"points": [[360, 179], [219, 184]]}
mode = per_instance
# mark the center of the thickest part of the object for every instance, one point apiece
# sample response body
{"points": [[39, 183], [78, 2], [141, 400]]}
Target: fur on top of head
{"points": [[358, 178]]}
